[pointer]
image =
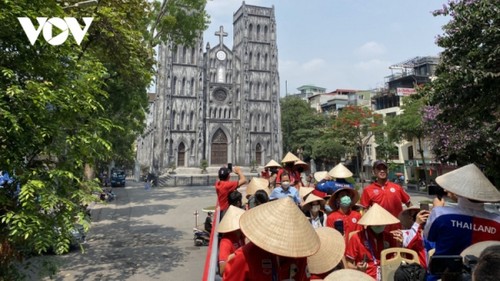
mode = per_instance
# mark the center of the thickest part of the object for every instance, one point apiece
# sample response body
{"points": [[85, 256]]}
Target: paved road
{"points": [[142, 235]]}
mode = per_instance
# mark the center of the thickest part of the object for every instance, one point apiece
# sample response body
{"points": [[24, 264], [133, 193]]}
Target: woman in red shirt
{"points": [[342, 217], [232, 238]]}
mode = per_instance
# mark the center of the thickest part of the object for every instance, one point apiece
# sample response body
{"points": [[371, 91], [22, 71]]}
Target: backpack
{"points": [[410, 272]]}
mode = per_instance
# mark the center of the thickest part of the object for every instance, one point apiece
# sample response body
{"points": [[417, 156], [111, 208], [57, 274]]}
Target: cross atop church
{"points": [[221, 35]]}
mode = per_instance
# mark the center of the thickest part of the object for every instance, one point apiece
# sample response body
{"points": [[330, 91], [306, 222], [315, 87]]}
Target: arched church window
{"points": [[192, 147], [265, 62], [258, 61], [193, 61], [258, 33], [182, 119], [184, 51], [183, 87], [251, 121], [225, 113], [250, 90], [193, 90], [265, 33], [250, 60], [191, 121], [174, 86], [220, 113], [172, 120], [175, 54], [250, 30], [266, 90]]}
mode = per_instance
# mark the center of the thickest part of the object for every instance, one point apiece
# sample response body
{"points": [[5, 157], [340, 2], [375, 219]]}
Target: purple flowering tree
{"points": [[463, 116]]}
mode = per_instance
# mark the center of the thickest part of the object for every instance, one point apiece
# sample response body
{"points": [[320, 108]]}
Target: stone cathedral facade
{"points": [[217, 103]]}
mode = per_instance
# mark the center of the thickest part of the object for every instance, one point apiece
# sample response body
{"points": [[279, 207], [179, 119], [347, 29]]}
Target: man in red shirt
{"points": [[224, 186], [387, 194]]}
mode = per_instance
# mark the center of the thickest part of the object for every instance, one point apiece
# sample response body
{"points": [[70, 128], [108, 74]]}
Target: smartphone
{"points": [[424, 206], [436, 190], [230, 166], [339, 226]]}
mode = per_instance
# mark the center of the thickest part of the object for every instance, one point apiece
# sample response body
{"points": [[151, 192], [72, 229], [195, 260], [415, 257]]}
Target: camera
{"points": [[453, 265], [230, 166]]}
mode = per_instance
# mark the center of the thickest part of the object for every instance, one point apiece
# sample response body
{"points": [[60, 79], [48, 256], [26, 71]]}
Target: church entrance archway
{"points": [[258, 154], [181, 155], [219, 148]]}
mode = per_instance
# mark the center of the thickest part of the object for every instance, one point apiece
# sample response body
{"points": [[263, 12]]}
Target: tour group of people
{"points": [[281, 228]]}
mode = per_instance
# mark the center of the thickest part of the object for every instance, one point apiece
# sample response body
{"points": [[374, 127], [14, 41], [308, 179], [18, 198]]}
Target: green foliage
{"points": [[67, 106], [203, 165], [466, 89], [301, 125]]}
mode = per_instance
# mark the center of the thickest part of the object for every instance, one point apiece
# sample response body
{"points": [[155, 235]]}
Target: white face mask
{"points": [[285, 184], [315, 208]]}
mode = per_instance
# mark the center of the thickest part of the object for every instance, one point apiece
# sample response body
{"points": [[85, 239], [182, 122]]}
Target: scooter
{"points": [[201, 237]]}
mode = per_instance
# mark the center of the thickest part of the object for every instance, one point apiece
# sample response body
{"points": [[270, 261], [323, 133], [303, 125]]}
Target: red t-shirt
{"points": [[350, 222], [391, 196], [357, 249], [223, 189], [291, 174], [229, 243], [251, 263]]}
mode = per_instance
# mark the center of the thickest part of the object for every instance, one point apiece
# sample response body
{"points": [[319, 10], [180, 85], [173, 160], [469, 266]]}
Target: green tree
{"points": [[465, 108], [63, 107], [409, 125], [300, 125], [355, 126]]}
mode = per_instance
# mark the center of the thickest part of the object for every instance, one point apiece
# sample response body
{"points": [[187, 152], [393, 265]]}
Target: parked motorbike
{"points": [[201, 237]]}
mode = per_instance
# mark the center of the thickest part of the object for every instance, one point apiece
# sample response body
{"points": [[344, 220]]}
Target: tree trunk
{"points": [[421, 151]]}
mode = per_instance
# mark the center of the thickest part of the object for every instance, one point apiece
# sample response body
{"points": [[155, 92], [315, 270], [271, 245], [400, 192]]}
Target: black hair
{"points": [[261, 197], [234, 198], [488, 265]]}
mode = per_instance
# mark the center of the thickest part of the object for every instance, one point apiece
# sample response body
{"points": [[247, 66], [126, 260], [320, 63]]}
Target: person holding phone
{"points": [[342, 217], [224, 186]]}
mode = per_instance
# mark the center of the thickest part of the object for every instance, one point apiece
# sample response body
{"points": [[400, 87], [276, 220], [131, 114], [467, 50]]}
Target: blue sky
{"points": [[340, 44]]}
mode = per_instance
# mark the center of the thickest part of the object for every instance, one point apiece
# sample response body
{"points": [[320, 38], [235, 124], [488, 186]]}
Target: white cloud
{"points": [[371, 49]]}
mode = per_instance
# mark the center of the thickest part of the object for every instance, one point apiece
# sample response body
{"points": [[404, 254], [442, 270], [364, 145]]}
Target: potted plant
{"points": [[204, 166], [171, 168]]}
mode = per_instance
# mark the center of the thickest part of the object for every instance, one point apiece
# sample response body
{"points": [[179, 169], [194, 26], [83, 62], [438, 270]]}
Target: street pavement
{"points": [[145, 235], [142, 235]]}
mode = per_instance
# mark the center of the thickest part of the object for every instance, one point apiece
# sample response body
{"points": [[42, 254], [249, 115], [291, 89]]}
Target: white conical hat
{"points": [[377, 215], [469, 182], [290, 157], [301, 163], [231, 220], [272, 163], [311, 198], [477, 248], [318, 176], [258, 184], [348, 275], [340, 172], [279, 227], [330, 253], [304, 191]]}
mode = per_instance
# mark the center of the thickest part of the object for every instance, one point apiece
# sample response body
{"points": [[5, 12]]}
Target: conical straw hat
{"points": [[257, 184], [301, 163], [469, 182], [340, 172], [477, 248], [405, 217], [377, 215], [231, 220], [353, 193], [348, 275], [279, 227], [319, 176], [311, 198], [272, 163], [304, 191], [290, 157], [330, 253]]}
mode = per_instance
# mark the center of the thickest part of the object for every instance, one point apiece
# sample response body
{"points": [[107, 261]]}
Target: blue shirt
{"points": [[279, 192]]}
